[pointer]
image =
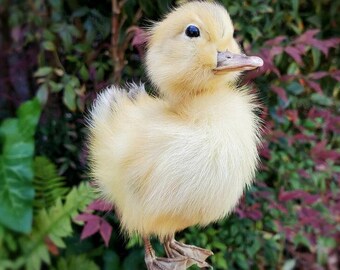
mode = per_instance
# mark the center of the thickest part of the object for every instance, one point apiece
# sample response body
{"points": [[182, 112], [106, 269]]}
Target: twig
{"points": [[119, 47]]}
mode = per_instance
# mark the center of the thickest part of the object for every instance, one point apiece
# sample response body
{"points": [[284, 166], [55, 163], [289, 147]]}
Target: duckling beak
{"points": [[228, 61]]}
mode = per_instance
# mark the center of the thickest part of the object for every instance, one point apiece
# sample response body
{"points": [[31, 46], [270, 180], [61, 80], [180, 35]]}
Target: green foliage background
{"points": [[56, 55]]}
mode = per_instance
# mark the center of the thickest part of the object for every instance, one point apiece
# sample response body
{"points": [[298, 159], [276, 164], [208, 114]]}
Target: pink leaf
{"points": [[105, 231], [295, 54], [275, 41], [100, 205], [86, 217], [91, 227]]}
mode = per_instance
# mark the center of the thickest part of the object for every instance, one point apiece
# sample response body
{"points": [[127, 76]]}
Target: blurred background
{"points": [[56, 55]]}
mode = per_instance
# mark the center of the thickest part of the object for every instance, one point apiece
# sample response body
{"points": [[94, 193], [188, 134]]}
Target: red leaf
{"points": [[325, 45], [52, 248], [301, 48], [280, 92], [275, 41], [276, 50], [295, 54], [86, 217], [314, 85], [307, 36], [139, 39], [268, 64], [100, 205], [303, 137], [318, 75], [292, 115], [304, 174], [298, 194], [90, 228], [333, 123], [105, 231], [336, 75], [17, 33], [320, 153], [279, 207], [310, 217], [264, 151], [285, 196]]}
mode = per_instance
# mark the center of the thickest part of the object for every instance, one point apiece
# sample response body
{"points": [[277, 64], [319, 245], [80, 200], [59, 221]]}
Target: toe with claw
{"points": [[195, 255]]}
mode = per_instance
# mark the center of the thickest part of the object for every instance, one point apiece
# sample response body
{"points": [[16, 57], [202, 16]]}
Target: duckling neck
{"points": [[183, 102]]}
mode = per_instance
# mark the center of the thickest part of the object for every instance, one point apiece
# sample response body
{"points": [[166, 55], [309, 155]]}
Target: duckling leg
{"points": [[154, 263], [195, 255]]}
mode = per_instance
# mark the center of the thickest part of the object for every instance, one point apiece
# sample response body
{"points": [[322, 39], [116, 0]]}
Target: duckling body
{"points": [[169, 171], [184, 158]]}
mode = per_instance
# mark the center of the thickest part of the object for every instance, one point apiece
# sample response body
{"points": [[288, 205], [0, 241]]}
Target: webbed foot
{"points": [[195, 255], [154, 263]]}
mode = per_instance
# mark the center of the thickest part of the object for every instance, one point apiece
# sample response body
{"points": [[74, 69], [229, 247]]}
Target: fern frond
{"points": [[53, 224], [48, 185], [75, 262]]}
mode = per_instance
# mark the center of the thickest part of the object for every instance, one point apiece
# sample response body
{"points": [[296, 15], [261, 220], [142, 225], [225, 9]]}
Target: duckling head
{"points": [[192, 51]]}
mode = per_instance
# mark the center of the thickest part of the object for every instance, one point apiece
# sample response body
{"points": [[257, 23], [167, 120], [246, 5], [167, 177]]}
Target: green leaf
{"points": [[295, 88], [69, 97], [321, 99], [111, 260], [42, 94], [84, 73], [43, 71], [300, 239], [316, 57], [76, 262], [53, 224], [289, 264], [29, 114], [16, 172], [48, 185], [55, 87], [49, 46]]}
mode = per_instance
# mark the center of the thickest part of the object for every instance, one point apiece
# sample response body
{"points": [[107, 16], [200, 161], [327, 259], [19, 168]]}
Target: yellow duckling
{"points": [[184, 158]]}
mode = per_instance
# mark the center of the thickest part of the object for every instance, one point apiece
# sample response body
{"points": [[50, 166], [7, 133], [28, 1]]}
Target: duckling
{"points": [[183, 158]]}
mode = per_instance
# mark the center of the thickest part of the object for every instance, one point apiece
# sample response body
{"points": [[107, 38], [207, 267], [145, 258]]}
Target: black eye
{"points": [[192, 31]]}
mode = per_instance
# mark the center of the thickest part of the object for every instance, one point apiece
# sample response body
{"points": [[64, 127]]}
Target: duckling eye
{"points": [[192, 31]]}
